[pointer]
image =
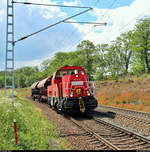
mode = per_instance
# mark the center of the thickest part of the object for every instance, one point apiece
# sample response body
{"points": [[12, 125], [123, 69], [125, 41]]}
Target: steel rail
{"points": [[114, 126], [134, 118], [140, 113], [101, 139], [128, 115]]}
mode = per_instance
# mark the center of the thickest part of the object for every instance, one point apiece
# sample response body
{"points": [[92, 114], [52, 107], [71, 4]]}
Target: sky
{"points": [[120, 16]]}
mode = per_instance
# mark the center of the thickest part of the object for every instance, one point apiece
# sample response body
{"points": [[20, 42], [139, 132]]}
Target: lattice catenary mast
{"points": [[9, 60]]}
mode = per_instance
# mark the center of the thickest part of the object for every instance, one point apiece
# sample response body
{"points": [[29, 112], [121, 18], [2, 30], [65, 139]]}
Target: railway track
{"points": [[99, 142], [127, 115], [107, 136], [122, 138], [143, 115], [111, 136], [133, 120]]}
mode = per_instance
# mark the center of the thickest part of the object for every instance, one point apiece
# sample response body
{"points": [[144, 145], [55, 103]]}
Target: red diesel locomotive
{"points": [[68, 90]]}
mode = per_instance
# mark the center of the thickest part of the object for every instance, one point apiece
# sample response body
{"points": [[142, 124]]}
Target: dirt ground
{"points": [[130, 94]]}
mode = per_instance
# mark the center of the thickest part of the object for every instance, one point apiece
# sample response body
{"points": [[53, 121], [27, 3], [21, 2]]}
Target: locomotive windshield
{"points": [[67, 72]]}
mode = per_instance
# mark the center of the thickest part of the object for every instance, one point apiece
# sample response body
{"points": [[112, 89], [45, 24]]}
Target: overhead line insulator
{"points": [[27, 3], [95, 23]]}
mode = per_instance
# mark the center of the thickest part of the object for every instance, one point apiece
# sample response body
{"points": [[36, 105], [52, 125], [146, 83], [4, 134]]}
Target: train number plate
{"points": [[77, 83]]}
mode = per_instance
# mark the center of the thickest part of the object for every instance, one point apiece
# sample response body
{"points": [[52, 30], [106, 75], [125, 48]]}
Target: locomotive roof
{"points": [[70, 67]]}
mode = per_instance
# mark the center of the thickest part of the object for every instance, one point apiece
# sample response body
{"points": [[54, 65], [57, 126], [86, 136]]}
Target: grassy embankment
{"points": [[35, 131], [129, 93]]}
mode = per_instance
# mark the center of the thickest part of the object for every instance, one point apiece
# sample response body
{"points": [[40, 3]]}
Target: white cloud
{"points": [[121, 19], [46, 11], [19, 64], [37, 62]]}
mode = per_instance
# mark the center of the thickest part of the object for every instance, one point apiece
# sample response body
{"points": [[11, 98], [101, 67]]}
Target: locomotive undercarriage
{"points": [[71, 105], [68, 105]]}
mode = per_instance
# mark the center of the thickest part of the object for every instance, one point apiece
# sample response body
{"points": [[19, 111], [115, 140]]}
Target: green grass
{"points": [[35, 131]]}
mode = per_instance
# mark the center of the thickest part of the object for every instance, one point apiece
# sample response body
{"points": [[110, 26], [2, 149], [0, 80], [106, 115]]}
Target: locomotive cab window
{"points": [[76, 71], [67, 72], [82, 72]]}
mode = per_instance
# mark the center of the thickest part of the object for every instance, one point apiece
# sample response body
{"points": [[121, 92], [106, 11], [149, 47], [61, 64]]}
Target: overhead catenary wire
{"points": [[68, 38], [28, 3], [109, 8], [112, 4], [126, 25], [52, 25]]}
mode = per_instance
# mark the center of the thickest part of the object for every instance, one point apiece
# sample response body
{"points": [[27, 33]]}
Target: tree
{"points": [[124, 44], [113, 61], [25, 76], [86, 50], [142, 46], [2, 79], [100, 64], [45, 64]]}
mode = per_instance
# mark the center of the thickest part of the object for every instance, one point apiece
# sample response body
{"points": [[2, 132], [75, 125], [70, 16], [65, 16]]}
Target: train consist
{"points": [[67, 90]]}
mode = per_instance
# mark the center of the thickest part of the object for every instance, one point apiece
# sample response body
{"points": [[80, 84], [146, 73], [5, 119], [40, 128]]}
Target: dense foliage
{"points": [[128, 54]]}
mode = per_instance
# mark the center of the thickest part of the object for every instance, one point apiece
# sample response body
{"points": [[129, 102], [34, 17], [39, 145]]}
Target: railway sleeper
{"points": [[140, 144], [93, 139], [106, 131], [103, 147], [119, 136], [116, 134], [123, 140], [127, 143], [136, 146], [86, 134], [147, 147], [97, 143]]}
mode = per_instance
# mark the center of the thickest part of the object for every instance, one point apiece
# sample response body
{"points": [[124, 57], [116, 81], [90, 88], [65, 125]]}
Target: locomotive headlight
{"points": [[88, 93], [71, 94]]}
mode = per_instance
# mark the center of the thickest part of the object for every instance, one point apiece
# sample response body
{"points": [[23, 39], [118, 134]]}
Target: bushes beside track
{"points": [[35, 131]]}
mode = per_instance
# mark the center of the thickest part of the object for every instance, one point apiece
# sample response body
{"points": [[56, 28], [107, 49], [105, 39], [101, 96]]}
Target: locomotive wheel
{"points": [[52, 103], [49, 103], [58, 106], [33, 98], [58, 111], [42, 100], [55, 103]]}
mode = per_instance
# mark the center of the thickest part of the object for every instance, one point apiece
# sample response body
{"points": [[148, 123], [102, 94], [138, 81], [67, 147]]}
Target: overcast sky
{"points": [[65, 37]]}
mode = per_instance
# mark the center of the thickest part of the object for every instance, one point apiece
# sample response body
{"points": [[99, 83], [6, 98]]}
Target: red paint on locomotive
{"points": [[67, 90]]}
